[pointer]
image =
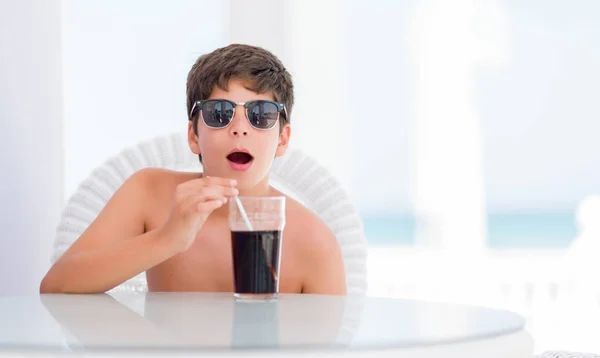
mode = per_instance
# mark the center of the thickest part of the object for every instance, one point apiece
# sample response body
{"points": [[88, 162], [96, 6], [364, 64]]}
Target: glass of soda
{"points": [[256, 225]]}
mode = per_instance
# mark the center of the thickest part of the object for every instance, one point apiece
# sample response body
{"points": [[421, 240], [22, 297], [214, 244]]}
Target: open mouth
{"points": [[240, 158]]}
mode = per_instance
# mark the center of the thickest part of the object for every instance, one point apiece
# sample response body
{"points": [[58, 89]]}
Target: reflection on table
{"points": [[210, 321]]}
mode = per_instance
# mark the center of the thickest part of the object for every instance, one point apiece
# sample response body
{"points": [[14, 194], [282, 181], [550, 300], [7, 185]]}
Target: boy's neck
{"points": [[261, 189]]}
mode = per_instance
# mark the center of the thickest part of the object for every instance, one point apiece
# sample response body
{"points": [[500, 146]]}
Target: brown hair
{"points": [[258, 68]]}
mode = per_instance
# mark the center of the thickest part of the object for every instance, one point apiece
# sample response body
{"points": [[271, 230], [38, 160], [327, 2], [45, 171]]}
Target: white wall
{"points": [[537, 107], [539, 112], [125, 70], [31, 161]]}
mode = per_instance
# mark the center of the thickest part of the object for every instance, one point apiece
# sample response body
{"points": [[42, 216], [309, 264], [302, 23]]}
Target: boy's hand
{"points": [[193, 202]]}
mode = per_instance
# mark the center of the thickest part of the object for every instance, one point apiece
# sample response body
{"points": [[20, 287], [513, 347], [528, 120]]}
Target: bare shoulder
{"points": [[169, 177], [308, 231], [161, 183]]}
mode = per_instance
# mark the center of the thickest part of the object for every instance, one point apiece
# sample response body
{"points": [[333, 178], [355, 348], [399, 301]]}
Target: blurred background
{"points": [[465, 131]]}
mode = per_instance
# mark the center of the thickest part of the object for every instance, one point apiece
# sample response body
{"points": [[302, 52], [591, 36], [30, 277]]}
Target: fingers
{"points": [[210, 192], [207, 194], [207, 186], [211, 181], [220, 181], [208, 206]]}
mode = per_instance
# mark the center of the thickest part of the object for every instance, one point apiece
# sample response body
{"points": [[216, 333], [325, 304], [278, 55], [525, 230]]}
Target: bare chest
{"points": [[207, 265]]}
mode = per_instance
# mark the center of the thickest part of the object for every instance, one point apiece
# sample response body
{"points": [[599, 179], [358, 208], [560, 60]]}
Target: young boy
{"points": [[173, 225]]}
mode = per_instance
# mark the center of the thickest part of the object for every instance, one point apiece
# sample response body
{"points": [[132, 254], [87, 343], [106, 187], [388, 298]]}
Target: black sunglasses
{"points": [[218, 113]]}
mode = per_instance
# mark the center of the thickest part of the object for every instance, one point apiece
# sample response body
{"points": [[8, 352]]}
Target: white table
{"points": [[142, 324]]}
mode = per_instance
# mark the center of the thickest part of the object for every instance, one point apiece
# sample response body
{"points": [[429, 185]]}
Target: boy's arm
{"points": [[113, 248], [325, 264]]}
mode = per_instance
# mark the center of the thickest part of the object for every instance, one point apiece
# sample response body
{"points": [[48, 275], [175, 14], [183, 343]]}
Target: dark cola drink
{"points": [[256, 257]]}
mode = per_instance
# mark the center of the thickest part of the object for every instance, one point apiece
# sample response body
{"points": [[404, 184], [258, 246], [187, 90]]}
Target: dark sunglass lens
{"points": [[263, 115], [217, 114]]}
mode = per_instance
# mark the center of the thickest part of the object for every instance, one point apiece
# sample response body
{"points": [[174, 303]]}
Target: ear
{"points": [[284, 140], [193, 139]]}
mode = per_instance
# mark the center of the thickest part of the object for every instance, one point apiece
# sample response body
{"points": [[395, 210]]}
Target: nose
{"points": [[236, 133], [239, 125]]}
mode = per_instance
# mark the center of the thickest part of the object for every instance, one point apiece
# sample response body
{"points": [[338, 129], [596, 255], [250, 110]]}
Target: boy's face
{"points": [[218, 145]]}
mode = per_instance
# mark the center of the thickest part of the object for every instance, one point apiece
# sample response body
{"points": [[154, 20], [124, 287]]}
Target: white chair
{"points": [[295, 174]]}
